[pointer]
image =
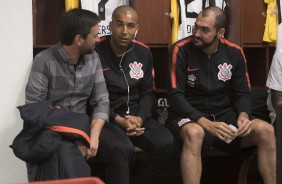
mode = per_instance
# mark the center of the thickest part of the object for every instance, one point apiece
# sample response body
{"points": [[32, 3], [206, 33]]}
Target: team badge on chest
{"points": [[224, 73], [135, 70]]}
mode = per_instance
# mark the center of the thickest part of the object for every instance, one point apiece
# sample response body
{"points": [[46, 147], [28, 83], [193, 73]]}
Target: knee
{"points": [[265, 132], [192, 134], [121, 150]]}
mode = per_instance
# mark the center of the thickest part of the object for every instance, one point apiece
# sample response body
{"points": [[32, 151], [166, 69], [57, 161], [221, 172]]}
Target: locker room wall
{"points": [[16, 58]]}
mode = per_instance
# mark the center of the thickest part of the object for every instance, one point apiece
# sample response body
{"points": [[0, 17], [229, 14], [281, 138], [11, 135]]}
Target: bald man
{"points": [[204, 69], [128, 70]]}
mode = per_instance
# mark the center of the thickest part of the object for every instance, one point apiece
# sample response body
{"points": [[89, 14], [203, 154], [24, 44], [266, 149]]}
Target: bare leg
{"points": [[191, 163], [264, 138]]}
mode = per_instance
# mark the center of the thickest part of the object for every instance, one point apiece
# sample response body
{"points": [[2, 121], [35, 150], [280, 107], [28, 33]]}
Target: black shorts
{"points": [[229, 116]]}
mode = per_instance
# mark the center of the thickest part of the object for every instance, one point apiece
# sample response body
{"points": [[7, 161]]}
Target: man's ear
{"points": [[220, 33], [78, 40]]}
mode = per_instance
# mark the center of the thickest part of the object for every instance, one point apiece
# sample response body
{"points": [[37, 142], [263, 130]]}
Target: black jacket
{"points": [[43, 127], [137, 65], [199, 84]]}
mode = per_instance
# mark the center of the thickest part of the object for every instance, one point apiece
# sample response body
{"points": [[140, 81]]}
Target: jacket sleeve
{"points": [[176, 88], [146, 91], [241, 85], [99, 99], [37, 85]]}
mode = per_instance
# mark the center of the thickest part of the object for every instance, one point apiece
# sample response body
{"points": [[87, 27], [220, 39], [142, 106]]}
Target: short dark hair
{"points": [[76, 22], [220, 17]]}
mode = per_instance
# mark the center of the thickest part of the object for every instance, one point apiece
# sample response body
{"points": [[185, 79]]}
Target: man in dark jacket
{"points": [[204, 68], [128, 71]]}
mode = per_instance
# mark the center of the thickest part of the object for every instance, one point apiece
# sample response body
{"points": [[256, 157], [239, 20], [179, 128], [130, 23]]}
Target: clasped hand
{"points": [[133, 125]]}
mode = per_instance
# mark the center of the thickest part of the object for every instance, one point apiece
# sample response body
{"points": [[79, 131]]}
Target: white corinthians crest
{"points": [[135, 70], [224, 73]]}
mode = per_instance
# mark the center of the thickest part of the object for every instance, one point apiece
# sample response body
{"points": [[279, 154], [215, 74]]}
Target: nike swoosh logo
{"points": [[105, 69], [192, 69]]}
